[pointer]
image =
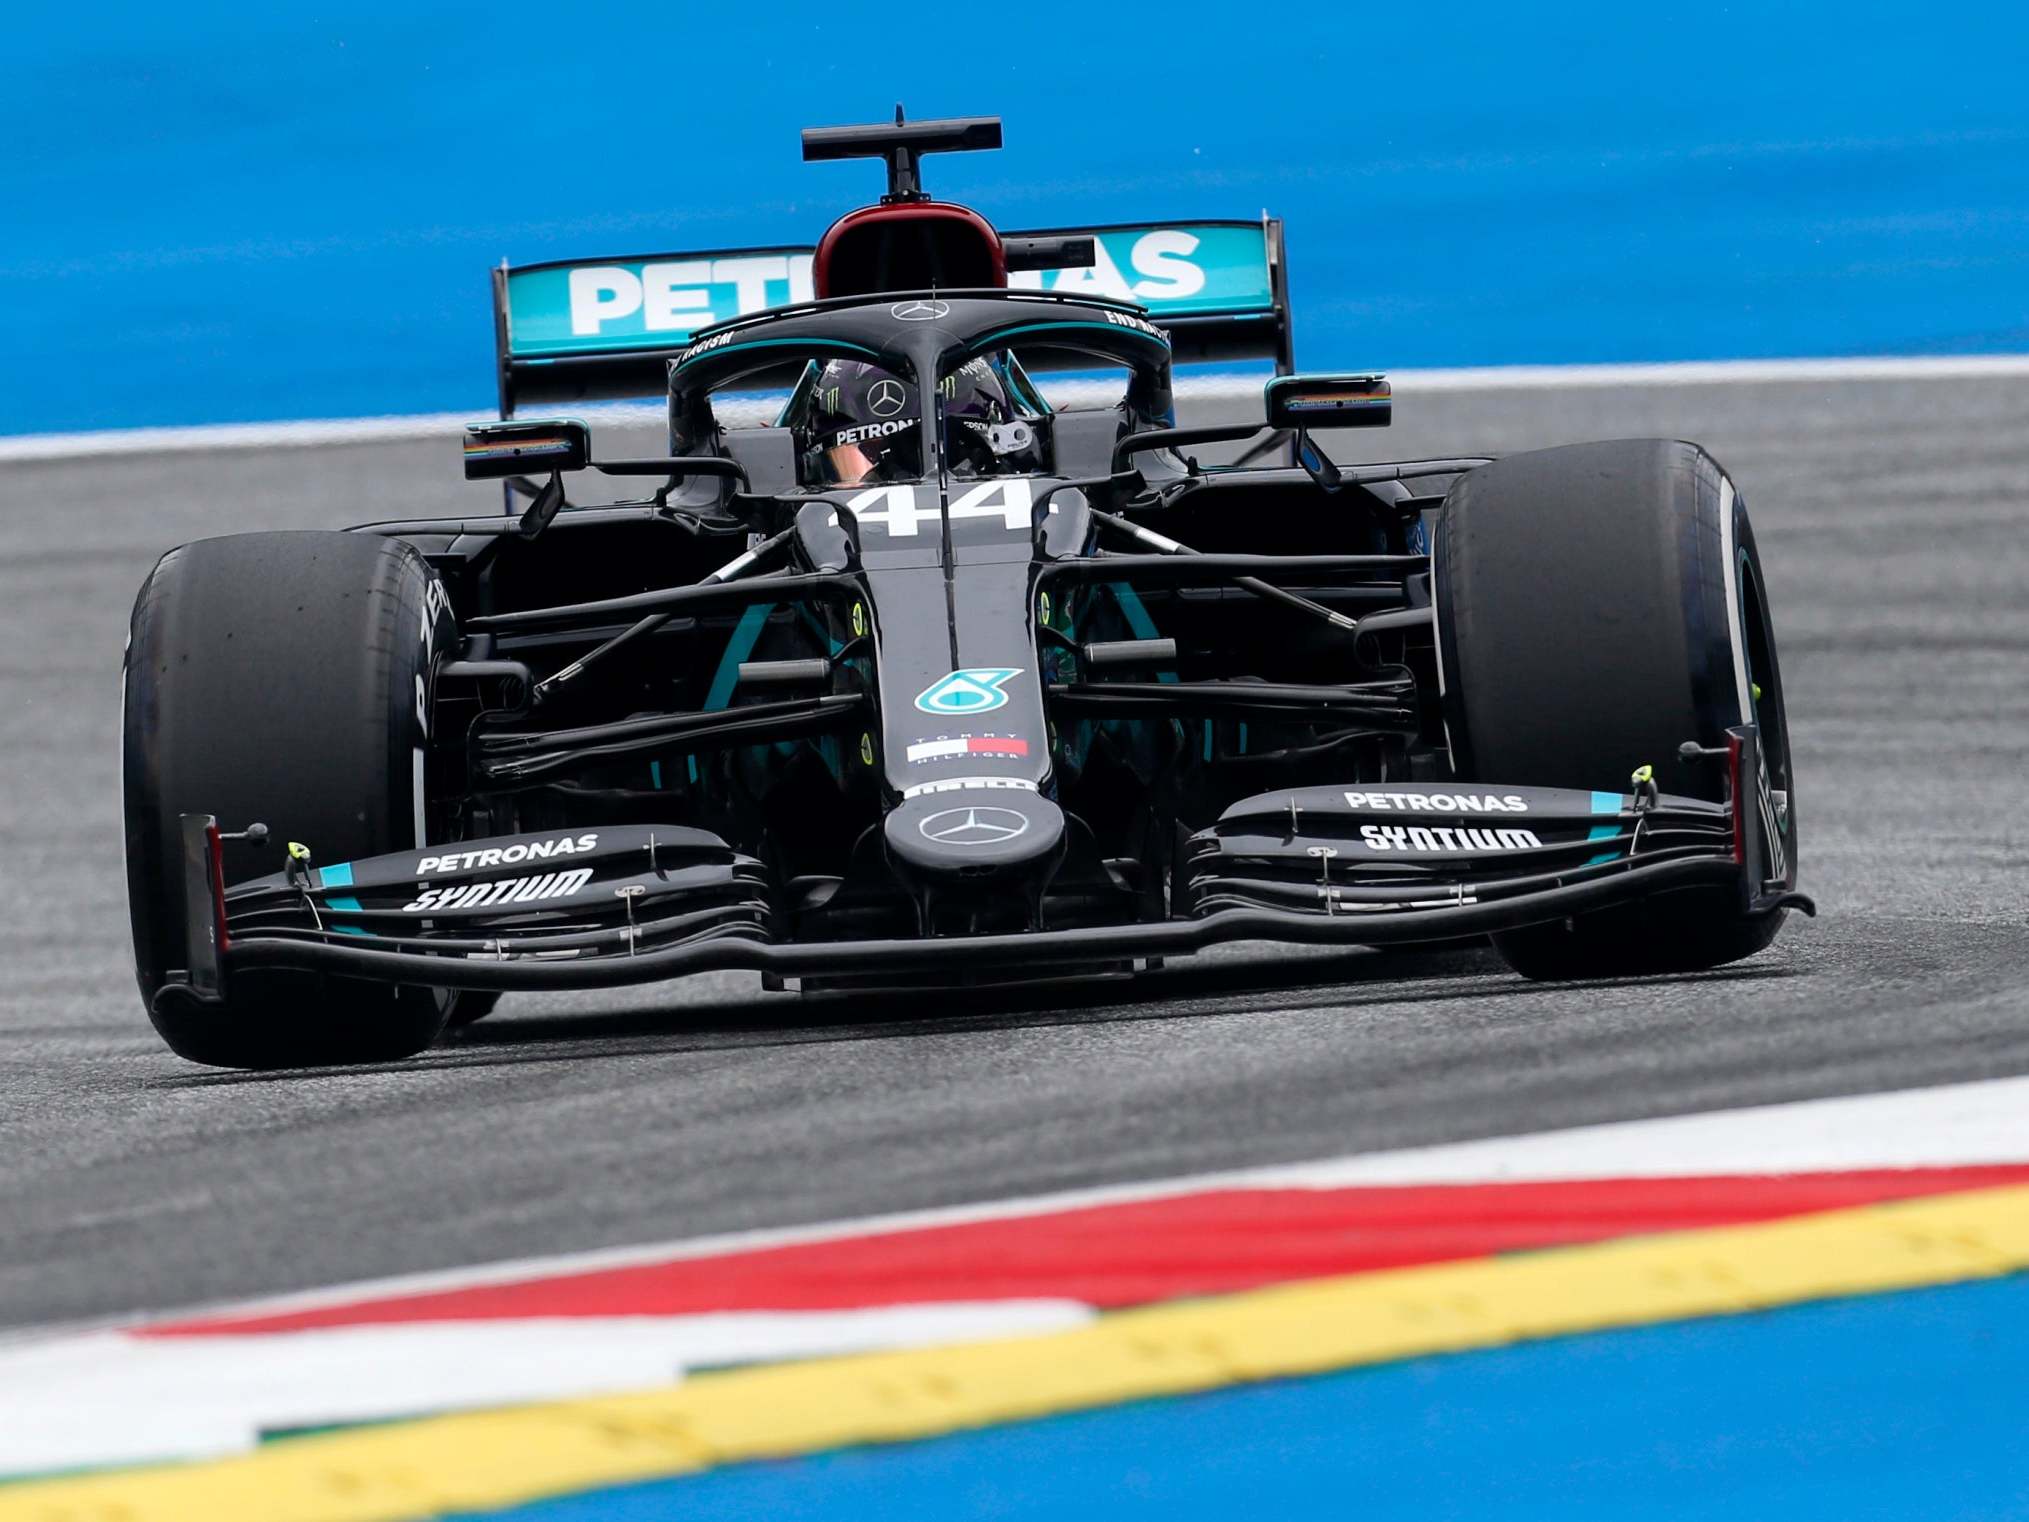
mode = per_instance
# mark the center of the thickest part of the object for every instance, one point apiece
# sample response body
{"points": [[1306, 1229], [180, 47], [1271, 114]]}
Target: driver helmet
{"points": [[863, 425]]}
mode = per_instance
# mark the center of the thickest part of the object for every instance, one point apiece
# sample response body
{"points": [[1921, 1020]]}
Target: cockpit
{"points": [[855, 421]]}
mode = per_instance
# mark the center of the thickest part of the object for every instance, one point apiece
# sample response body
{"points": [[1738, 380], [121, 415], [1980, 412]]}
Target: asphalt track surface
{"points": [[1893, 518]]}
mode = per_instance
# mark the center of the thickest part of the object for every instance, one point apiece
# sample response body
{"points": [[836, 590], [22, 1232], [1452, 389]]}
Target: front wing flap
{"points": [[1375, 864], [1390, 847], [552, 896]]}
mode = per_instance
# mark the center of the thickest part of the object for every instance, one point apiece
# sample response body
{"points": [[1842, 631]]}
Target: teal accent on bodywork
{"points": [[746, 635], [1138, 622], [343, 880], [1180, 269], [828, 749], [1152, 265], [681, 292], [976, 689], [839, 344], [655, 773], [1605, 803], [1141, 626], [1000, 335], [1133, 610], [1022, 389]]}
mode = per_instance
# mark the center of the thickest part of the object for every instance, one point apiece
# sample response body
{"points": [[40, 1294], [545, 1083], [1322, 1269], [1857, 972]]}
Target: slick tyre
{"points": [[285, 679], [1598, 605]]}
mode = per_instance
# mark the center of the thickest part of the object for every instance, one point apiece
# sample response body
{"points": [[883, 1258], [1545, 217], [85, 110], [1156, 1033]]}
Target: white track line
{"points": [[108, 1398], [745, 412], [1957, 1125]]}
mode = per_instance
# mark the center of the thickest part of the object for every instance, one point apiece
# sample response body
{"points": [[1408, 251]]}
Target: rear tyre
{"points": [[1598, 605], [282, 678]]}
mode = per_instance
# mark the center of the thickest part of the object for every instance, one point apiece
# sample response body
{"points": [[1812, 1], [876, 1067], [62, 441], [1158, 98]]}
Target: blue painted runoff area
{"points": [[1893, 1406], [227, 212]]}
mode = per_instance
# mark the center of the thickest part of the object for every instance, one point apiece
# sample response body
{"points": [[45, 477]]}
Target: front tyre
{"points": [[1598, 605], [283, 678]]}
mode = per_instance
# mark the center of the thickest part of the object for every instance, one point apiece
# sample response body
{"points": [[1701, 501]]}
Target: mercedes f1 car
{"points": [[929, 682]]}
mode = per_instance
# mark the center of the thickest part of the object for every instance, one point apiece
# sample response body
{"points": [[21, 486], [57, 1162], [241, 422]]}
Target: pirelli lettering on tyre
{"points": [[1441, 803], [509, 890], [507, 856], [1433, 839]]}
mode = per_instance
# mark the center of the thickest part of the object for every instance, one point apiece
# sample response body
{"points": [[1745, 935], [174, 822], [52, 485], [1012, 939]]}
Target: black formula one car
{"points": [[930, 682]]}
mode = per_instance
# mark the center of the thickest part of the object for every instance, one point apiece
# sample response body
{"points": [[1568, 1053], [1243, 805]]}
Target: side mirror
{"points": [[526, 446], [1304, 402], [1050, 253]]}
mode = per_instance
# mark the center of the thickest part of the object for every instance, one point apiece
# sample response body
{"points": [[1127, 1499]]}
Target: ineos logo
{"points": [[973, 826], [919, 311], [886, 398]]}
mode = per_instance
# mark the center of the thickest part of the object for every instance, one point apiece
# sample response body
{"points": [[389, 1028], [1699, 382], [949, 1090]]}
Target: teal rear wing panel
{"points": [[603, 329]]}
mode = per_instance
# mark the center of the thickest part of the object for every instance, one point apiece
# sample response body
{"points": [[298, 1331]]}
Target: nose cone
{"points": [[998, 832]]}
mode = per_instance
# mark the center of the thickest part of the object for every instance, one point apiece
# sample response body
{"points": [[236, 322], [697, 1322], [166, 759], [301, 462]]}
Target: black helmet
{"points": [[861, 424]]}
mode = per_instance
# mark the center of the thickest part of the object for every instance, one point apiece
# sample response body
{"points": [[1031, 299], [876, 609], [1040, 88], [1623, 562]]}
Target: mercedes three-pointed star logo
{"points": [[886, 398], [919, 311], [973, 826]]}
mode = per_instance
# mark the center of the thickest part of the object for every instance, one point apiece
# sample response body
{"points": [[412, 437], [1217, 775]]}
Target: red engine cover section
{"points": [[908, 246]]}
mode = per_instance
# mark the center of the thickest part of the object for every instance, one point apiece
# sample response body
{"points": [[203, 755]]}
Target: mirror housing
{"points": [[1050, 252], [1304, 402], [526, 446]]}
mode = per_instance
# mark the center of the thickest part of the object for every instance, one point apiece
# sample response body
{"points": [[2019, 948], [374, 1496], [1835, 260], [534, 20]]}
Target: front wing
{"points": [[1377, 864]]}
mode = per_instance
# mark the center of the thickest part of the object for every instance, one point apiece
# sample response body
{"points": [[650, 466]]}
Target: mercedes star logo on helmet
{"points": [[886, 398], [973, 827], [920, 311]]}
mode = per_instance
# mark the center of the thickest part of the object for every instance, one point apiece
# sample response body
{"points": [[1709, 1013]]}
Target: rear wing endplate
{"points": [[584, 330]]}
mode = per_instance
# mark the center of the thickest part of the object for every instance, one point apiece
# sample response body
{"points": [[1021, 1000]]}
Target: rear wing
{"points": [[583, 330]]}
